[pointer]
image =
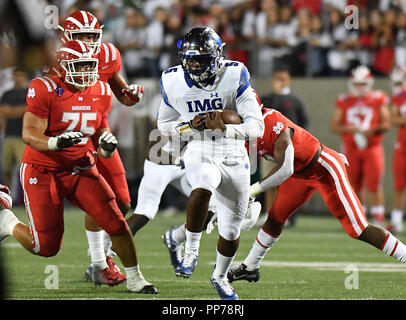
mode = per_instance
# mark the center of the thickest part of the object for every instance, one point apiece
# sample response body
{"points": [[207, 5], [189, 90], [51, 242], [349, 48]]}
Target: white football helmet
{"points": [[398, 79], [361, 81]]}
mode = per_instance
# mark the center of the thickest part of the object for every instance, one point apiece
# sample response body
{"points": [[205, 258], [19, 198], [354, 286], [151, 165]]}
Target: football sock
{"points": [[378, 214], [192, 242], [396, 216], [133, 272], [261, 246], [394, 248], [179, 234], [96, 248], [107, 245], [222, 265]]}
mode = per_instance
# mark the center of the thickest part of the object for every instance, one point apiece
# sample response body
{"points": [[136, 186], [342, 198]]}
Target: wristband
{"points": [[53, 143], [255, 189]]}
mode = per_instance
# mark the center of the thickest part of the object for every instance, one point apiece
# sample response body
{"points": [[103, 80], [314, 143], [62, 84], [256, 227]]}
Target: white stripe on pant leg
{"points": [[341, 195], [348, 188], [27, 205]]}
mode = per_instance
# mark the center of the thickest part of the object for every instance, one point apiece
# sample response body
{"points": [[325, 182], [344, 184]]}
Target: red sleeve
{"points": [[38, 98], [117, 65], [275, 123], [105, 116], [114, 58], [339, 103], [383, 99]]}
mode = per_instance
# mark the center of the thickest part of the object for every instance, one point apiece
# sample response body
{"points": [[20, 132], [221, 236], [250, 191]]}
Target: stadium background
{"points": [[320, 69], [308, 36]]}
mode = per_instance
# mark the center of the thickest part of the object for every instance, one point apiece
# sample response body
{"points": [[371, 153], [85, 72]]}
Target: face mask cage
{"points": [[200, 67], [78, 78], [357, 90], [95, 45]]}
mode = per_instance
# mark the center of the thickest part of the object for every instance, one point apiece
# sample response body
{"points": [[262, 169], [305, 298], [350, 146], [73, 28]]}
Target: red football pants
{"points": [[399, 166], [44, 193], [367, 166], [113, 172], [328, 176]]}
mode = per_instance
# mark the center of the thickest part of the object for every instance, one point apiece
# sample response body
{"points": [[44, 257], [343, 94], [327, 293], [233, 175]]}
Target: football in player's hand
{"points": [[228, 116]]}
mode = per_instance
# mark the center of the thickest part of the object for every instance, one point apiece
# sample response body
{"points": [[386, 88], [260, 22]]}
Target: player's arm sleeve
{"points": [[167, 119], [284, 155], [37, 99], [116, 55], [248, 108], [105, 116]]}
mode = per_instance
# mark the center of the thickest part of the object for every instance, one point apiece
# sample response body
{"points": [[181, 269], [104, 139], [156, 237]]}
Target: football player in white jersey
{"points": [[216, 161]]}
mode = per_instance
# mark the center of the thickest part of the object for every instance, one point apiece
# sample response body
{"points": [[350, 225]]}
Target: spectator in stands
{"points": [[155, 33], [336, 58], [12, 107], [319, 43], [364, 41], [383, 44], [132, 43], [400, 42], [277, 35]]}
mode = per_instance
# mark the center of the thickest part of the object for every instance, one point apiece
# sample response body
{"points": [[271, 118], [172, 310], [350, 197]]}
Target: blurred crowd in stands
{"points": [[310, 36]]}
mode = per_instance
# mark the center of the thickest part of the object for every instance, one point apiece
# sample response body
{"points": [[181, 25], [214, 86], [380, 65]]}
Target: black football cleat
{"points": [[241, 273]]}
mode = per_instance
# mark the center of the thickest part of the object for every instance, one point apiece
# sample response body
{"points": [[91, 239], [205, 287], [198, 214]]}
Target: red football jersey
{"points": [[305, 144], [399, 101], [87, 111], [362, 112], [109, 63]]}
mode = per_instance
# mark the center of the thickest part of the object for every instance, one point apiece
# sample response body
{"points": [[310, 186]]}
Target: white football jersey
{"points": [[231, 90]]}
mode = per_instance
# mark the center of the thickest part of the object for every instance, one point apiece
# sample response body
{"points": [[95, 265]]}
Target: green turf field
{"points": [[309, 262]]}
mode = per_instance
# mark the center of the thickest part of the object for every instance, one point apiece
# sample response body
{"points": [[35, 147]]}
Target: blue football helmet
{"points": [[201, 54]]}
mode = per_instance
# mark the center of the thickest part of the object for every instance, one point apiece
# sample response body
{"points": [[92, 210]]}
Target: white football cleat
{"points": [[139, 285], [7, 223]]}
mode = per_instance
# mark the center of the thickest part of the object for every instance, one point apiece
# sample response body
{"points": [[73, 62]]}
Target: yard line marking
{"points": [[333, 266]]}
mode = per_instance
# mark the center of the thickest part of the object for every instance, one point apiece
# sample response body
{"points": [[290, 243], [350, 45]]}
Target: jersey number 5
{"points": [[75, 117]]}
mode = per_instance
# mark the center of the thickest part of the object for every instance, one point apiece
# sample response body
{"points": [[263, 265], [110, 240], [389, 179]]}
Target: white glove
{"points": [[360, 140], [134, 92], [108, 144], [212, 224]]}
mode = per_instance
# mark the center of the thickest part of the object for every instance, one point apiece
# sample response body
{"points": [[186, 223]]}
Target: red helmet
{"points": [[81, 22], [361, 81], [79, 64], [398, 79]]}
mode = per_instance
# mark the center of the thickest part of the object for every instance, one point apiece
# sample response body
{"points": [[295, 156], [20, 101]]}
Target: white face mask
{"points": [[397, 88], [80, 79]]}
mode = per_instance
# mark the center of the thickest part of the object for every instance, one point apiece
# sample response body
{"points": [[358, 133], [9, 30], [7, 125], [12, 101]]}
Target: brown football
{"points": [[228, 116]]}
